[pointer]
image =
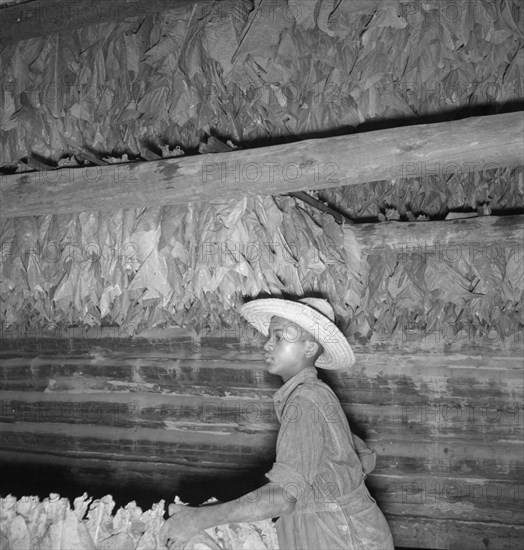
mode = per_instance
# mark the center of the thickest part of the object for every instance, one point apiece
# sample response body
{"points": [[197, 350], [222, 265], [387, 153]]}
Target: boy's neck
{"points": [[288, 376]]}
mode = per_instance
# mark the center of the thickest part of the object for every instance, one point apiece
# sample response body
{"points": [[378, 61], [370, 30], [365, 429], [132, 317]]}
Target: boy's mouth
{"points": [[268, 358]]}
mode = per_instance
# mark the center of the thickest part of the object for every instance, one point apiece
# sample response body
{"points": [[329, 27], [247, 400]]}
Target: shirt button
{"points": [[343, 527]]}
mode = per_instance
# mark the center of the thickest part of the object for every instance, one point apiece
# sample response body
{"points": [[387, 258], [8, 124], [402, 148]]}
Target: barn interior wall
{"points": [[196, 418]]}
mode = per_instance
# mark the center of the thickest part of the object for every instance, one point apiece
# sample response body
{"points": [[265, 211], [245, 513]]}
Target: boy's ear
{"points": [[311, 348]]}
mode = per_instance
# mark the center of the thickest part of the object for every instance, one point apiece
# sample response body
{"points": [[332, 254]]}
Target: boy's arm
{"points": [[270, 501]]}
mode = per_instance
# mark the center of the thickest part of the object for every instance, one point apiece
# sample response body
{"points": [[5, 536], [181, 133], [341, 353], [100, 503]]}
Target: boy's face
{"points": [[286, 348]]}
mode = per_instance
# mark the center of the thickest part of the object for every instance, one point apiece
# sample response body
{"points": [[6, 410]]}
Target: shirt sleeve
{"points": [[299, 447]]}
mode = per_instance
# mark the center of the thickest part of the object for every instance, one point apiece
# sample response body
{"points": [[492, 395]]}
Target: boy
{"points": [[317, 482]]}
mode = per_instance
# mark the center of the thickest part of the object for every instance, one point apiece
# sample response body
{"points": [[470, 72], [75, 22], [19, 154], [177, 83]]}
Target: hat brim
{"points": [[337, 351]]}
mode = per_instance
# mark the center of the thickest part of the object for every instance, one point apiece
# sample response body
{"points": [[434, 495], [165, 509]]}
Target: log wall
{"points": [[179, 415]]}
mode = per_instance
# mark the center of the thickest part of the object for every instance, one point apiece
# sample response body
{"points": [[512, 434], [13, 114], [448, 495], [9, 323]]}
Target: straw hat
{"points": [[314, 315]]}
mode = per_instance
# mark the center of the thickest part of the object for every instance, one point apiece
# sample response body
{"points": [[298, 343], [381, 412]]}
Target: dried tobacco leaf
{"points": [[120, 541], [18, 534]]}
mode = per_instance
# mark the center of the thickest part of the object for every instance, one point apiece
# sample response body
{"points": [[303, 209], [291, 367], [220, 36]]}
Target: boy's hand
{"points": [[180, 528]]}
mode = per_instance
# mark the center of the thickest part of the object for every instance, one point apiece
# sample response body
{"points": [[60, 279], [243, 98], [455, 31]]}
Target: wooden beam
{"points": [[466, 145], [445, 239], [25, 20]]}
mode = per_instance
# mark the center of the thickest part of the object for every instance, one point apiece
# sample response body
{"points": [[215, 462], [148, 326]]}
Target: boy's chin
{"points": [[273, 369]]}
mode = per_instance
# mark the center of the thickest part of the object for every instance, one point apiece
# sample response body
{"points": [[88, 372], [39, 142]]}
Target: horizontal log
{"points": [[123, 357], [443, 339], [377, 378], [473, 143], [126, 348], [430, 495], [406, 489], [388, 390], [208, 450], [449, 496], [224, 450], [237, 350], [449, 240], [165, 344], [193, 413], [467, 535], [448, 456], [422, 420]]}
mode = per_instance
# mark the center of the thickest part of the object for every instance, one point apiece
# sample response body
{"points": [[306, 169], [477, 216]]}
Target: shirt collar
{"points": [[282, 395]]}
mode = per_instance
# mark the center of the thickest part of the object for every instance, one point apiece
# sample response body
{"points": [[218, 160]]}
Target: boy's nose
{"points": [[268, 344]]}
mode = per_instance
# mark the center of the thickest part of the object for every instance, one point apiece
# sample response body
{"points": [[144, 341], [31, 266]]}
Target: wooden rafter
{"points": [[471, 144]]}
